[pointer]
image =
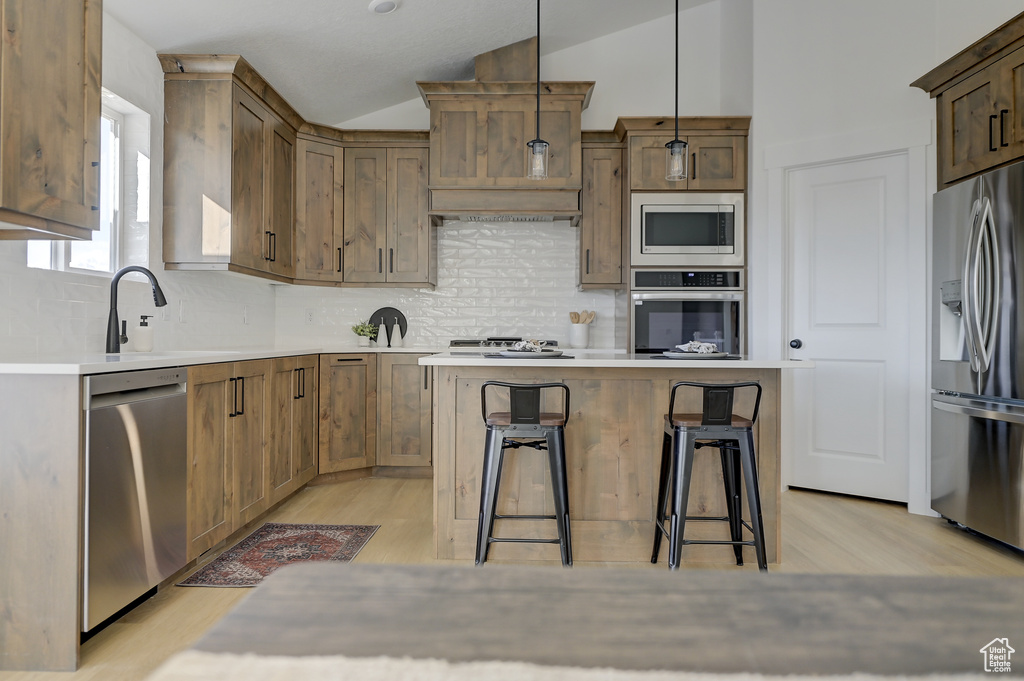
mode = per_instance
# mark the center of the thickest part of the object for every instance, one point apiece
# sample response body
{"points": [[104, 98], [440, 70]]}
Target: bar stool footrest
{"points": [[517, 540], [525, 517]]}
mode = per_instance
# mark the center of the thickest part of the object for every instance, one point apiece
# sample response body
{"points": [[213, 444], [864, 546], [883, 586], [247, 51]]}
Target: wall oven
{"points": [[673, 307], [687, 229]]}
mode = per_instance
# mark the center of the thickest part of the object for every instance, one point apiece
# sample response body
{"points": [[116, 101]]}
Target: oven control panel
{"points": [[675, 279]]}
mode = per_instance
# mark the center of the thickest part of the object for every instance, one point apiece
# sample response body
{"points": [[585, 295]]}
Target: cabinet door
{"points": [[409, 232], [304, 420], [482, 142], [717, 162], [969, 125], [319, 227], [50, 120], [284, 391], [280, 198], [210, 474], [405, 411], [365, 215], [249, 243], [601, 222], [647, 164], [249, 422], [348, 412]]}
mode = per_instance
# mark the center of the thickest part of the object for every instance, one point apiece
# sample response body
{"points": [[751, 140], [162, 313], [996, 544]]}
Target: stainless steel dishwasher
{"points": [[135, 486]]}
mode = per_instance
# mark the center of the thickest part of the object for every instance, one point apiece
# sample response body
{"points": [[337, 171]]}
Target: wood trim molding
{"points": [[992, 47]]}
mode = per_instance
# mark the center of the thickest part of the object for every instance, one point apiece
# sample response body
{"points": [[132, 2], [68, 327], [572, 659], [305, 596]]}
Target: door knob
{"points": [[796, 343]]}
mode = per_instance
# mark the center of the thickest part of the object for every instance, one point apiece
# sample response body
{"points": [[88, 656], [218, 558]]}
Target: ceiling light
{"points": [[383, 6], [538, 166], [675, 167]]}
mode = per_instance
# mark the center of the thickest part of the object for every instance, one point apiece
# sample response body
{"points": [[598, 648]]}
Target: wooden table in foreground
{"points": [[613, 447], [692, 620]]}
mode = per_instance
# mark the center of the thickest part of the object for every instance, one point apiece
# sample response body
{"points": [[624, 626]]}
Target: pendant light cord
{"points": [[538, 69], [677, 64]]}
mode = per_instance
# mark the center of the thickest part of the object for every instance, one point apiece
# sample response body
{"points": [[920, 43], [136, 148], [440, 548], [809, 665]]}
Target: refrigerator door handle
{"points": [[993, 411], [970, 287], [988, 310]]}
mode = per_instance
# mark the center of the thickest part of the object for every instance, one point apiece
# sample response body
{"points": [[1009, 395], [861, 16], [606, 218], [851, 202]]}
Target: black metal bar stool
{"points": [[717, 426], [508, 430]]}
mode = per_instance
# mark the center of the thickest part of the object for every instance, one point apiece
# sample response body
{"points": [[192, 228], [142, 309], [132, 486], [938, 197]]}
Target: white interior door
{"points": [[848, 311]]}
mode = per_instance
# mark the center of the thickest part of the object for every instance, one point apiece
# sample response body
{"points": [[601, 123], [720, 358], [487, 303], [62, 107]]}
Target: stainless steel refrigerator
{"points": [[977, 345]]}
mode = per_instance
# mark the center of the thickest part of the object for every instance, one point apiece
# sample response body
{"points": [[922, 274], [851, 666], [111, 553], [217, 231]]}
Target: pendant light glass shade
{"points": [[538, 159], [537, 168], [675, 168], [675, 160]]}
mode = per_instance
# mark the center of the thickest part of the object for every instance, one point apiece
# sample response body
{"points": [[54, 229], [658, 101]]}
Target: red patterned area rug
{"points": [[275, 545]]}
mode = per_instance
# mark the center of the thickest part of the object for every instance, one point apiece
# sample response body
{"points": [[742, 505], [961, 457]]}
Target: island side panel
{"points": [[40, 521], [613, 448]]}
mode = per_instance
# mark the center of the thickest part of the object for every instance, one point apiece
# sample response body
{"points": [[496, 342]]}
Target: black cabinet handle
{"points": [[241, 402], [339, 258], [348, 359], [380, 260], [693, 175], [234, 399], [391, 260], [588, 261], [267, 256], [298, 384], [273, 247], [426, 378], [1002, 128], [991, 142], [96, 165]]}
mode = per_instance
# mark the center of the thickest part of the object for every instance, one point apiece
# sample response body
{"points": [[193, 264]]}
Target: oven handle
{"points": [[686, 294]]}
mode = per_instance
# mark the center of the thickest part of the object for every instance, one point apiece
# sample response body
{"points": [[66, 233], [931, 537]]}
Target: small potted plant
{"points": [[365, 331]]}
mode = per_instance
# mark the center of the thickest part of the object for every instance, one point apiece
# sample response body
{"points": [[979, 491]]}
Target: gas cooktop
{"points": [[490, 344]]}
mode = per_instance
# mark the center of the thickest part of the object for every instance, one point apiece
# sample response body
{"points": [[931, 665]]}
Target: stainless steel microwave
{"points": [[687, 229]]}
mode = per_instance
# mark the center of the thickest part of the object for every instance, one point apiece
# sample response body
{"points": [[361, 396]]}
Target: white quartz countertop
{"points": [[607, 358], [99, 363]]}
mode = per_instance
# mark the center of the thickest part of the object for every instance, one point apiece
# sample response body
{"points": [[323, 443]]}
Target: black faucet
{"points": [[114, 339]]}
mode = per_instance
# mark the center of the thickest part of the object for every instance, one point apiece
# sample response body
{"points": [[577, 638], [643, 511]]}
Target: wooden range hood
{"points": [[478, 134]]}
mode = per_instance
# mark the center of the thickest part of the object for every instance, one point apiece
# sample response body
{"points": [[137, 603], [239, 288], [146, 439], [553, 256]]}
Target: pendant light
{"points": [[675, 167], [538, 165]]}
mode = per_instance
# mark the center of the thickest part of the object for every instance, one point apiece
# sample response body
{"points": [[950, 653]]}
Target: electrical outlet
{"points": [[309, 316]]}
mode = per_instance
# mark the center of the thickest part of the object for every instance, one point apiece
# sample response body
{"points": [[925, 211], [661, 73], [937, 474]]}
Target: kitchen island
{"points": [[613, 446]]}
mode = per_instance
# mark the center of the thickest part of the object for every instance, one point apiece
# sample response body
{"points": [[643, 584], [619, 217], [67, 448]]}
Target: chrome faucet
{"points": [[114, 339]]}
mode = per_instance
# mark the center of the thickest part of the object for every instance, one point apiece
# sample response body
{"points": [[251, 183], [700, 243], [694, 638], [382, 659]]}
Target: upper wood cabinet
{"points": [[601, 226], [348, 412], [716, 163], [717, 149], [404, 403], [50, 118], [319, 220], [387, 236], [229, 168], [979, 96]]}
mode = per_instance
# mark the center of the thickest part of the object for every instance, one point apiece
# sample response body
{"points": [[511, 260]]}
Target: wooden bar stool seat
{"points": [[718, 427], [524, 425]]}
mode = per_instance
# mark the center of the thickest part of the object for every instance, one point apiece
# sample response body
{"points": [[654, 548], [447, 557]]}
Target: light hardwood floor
{"points": [[821, 534]]}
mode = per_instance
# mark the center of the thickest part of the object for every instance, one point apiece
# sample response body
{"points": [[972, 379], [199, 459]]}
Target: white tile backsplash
{"points": [[493, 279]]}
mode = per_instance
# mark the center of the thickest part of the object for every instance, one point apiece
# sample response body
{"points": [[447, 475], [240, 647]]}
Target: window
{"points": [[123, 237]]}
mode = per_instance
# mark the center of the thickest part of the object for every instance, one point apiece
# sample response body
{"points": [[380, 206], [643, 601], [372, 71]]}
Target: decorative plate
{"points": [[525, 354], [696, 355]]}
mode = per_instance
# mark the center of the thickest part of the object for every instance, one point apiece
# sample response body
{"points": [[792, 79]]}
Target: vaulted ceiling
{"points": [[335, 60]]}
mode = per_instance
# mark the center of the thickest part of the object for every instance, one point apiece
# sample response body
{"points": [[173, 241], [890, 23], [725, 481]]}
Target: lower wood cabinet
{"points": [[251, 442], [348, 412], [227, 421], [292, 437], [404, 403], [375, 410]]}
